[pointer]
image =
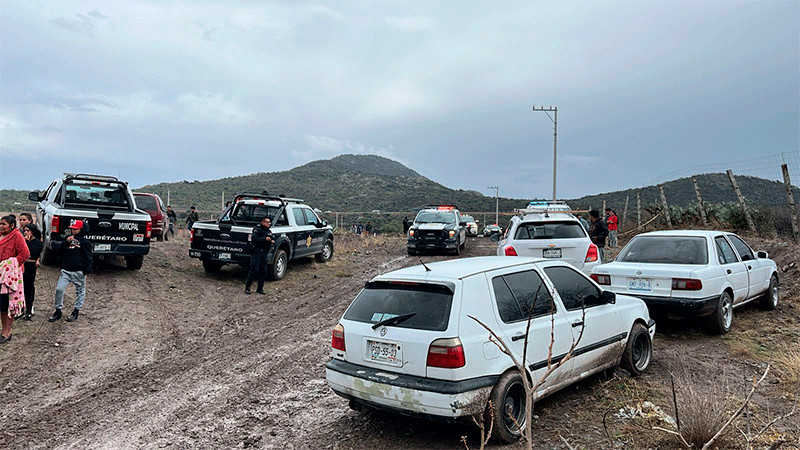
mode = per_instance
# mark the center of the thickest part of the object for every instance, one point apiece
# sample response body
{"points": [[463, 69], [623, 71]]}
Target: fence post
{"points": [[638, 211], [666, 207], [625, 211], [792, 207], [700, 202], [750, 223]]}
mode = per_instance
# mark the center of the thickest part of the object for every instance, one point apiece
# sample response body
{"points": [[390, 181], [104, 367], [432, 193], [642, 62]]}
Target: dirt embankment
{"points": [[171, 357]]}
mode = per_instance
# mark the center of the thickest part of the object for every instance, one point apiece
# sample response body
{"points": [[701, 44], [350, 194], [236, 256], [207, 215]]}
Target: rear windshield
{"points": [[665, 249], [550, 230], [86, 194], [253, 213], [381, 300], [435, 217], [145, 202]]}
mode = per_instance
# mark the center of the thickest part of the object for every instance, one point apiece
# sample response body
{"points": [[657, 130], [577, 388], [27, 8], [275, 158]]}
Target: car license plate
{"points": [[225, 256], [384, 352], [639, 284], [102, 247], [551, 253]]}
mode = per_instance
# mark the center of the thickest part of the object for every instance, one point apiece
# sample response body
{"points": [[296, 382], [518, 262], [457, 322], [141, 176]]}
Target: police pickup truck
{"points": [[297, 230], [105, 205], [438, 228]]}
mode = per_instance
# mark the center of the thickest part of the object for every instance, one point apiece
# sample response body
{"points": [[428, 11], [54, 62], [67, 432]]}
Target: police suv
{"points": [[297, 230], [112, 223], [438, 228]]}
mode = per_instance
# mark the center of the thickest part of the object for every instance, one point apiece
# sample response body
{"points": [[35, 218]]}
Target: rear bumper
{"points": [[208, 255], [679, 306], [116, 249], [407, 394]]}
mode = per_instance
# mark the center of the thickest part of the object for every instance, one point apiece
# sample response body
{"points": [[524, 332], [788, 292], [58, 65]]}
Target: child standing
{"points": [[77, 263]]}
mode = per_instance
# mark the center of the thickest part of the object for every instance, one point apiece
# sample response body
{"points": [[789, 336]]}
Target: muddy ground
{"points": [[171, 357]]}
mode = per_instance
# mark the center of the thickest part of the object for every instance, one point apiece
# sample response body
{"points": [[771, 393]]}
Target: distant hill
{"points": [[367, 182]]}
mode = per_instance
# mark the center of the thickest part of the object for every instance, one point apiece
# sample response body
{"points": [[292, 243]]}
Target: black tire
{"points": [[277, 268], [770, 299], [508, 395], [721, 319], [165, 235], [212, 266], [327, 252], [638, 350], [464, 245], [48, 257], [159, 238], [457, 251], [412, 252], [134, 262]]}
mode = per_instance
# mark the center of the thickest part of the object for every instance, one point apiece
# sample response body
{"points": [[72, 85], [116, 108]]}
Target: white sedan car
{"points": [[689, 273], [408, 342]]}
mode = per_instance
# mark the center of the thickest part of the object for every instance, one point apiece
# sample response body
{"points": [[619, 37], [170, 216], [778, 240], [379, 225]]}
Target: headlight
{"points": [[411, 233], [452, 233]]}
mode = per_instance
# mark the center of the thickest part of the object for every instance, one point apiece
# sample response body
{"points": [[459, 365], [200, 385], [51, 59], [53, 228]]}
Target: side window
{"points": [[725, 253], [741, 247], [517, 293], [573, 288], [59, 190], [281, 221], [311, 218], [299, 217]]}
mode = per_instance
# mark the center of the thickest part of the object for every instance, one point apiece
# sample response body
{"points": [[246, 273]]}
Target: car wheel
{"points": [[508, 400], [327, 252], [770, 299], [48, 256], [277, 269], [720, 321], [412, 252], [212, 266], [464, 245], [638, 350], [134, 262]]}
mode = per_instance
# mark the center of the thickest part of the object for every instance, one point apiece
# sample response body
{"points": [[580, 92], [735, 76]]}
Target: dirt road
{"points": [[171, 357]]}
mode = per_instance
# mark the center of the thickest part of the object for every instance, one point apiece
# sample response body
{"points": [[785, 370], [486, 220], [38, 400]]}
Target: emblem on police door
{"points": [[308, 242]]}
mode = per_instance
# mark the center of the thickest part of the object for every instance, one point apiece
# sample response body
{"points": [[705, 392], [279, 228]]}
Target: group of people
{"points": [[601, 228], [20, 249], [360, 228]]}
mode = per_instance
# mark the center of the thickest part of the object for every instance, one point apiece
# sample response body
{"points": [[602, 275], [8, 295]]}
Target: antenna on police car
{"points": [[427, 269]]}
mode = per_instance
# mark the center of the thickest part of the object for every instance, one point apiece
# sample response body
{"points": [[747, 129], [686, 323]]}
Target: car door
{"points": [[735, 270], [603, 338], [515, 294], [302, 233], [317, 233], [758, 271]]}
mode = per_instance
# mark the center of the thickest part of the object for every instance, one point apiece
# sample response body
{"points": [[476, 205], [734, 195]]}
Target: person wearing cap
{"points": [[76, 252]]}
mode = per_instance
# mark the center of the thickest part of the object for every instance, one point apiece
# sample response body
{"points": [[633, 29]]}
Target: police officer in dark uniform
{"points": [[261, 241]]}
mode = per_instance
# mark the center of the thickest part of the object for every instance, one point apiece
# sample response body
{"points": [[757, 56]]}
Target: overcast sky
{"points": [[170, 91]]}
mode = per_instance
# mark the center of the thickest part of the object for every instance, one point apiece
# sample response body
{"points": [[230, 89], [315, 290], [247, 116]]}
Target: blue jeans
{"points": [[76, 278]]}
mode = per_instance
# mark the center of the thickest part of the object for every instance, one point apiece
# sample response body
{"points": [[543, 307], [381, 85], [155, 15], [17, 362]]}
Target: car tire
{"points": [[165, 235], [464, 245], [277, 268], [159, 238], [412, 252], [212, 266], [722, 317], [48, 257], [770, 299], [508, 395], [638, 350], [327, 252], [134, 262]]}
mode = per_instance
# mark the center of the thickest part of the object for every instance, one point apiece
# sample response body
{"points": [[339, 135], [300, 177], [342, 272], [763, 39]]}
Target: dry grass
{"points": [[788, 364], [702, 404]]}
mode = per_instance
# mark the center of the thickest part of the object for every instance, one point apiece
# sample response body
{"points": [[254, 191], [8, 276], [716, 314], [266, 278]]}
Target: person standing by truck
{"points": [[33, 237], [13, 248], [76, 252], [173, 219], [261, 240], [191, 218]]}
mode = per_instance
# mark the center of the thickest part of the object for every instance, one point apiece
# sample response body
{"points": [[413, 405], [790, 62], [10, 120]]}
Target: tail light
{"points": [[337, 337], [509, 251], [446, 353], [591, 254], [191, 236], [54, 224], [686, 284], [601, 279], [149, 229]]}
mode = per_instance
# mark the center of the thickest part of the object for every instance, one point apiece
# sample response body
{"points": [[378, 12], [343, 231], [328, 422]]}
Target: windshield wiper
{"points": [[394, 320]]}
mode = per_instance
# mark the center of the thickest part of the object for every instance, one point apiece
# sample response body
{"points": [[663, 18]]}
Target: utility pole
{"points": [[496, 204], [554, 119]]}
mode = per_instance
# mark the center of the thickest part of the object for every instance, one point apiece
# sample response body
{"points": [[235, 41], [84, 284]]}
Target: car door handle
{"points": [[749, 267], [577, 323], [729, 271], [518, 337]]}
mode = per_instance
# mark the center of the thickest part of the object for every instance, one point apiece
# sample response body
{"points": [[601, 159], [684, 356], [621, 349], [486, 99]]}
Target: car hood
{"points": [[432, 226]]}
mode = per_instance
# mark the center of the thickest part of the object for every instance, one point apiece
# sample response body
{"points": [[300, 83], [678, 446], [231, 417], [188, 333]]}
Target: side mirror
{"points": [[34, 196], [762, 255], [321, 224], [495, 237], [609, 297]]}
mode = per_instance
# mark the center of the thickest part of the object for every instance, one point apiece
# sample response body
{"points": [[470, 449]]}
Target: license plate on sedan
{"points": [[102, 247], [551, 253], [384, 352], [639, 284]]}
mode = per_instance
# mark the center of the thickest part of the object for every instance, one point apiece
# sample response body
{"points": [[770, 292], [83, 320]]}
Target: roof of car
{"points": [[547, 216], [704, 233], [455, 269]]}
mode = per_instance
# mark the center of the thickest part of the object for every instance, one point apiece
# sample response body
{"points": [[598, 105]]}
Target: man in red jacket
{"points": [[611, 221]]}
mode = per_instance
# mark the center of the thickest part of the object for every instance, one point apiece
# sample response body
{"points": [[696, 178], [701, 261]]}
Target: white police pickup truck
{"points": [[297, 229]]}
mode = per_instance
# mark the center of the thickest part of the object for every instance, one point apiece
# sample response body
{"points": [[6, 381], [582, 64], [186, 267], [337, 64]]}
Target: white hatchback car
{"points": [[692, 273], [407, 343], [549, 230]]}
